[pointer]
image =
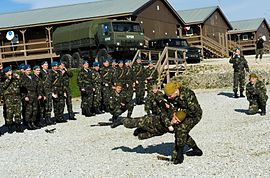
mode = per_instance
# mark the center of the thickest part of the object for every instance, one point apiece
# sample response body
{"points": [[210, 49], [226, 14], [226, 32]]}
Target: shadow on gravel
{"points": [[227, 94], [244, 111], [162, 149]]}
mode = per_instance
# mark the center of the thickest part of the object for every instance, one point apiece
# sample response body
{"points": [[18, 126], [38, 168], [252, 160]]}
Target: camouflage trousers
{"points": [[68, 100], [97, 96], [238, 81], [31, 108], [182, 136], [48, 104], [129, 91], [87, 99], [41, 109], [256, 104], [106, 94], [13, 109], [259, 52], [116, 112], [140, 91], [59, 106]]}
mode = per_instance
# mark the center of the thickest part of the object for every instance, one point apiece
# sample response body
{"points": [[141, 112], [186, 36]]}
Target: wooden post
{"points": [[226, 43], [177, 66], [201, 36], [168, 66], [50, 41], [24, 45]]}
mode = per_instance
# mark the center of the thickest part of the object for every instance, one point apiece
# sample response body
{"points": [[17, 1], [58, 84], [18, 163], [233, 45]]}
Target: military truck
{"points": [[193, 54], [87, 40]]}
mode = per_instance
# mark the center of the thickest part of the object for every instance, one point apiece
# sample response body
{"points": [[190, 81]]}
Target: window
{"points": [[126, 27], [245, 37]]}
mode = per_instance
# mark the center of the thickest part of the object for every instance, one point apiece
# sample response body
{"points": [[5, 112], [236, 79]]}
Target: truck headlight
{"points": [[118, 44], [141, 44]]}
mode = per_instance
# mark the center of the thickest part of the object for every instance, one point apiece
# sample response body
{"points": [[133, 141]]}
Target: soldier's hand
{"points": [[137, 82], [82, 89], [149, 78], [54, 95], [122, 104], [65, 95], [171, 129], [94, 89], [44, 97], [39, 97], [167, 105], [26, 98]]}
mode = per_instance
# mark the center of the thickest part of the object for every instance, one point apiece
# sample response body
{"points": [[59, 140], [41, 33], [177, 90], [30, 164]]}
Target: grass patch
{"points": [[73, 83]]}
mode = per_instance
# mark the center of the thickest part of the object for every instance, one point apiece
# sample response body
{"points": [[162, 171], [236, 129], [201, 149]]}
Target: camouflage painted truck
{"points": [[86, 40]]}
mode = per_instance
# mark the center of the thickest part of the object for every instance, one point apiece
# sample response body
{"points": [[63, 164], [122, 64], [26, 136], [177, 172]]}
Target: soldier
{"points": [[140, 78], [58, 93], [129, 80], [107, 77], [151, 75], [47, 85], [256, 95], [11, 91], [97, 88], [183, 99], [153, 101], [240, 65], [21, 70], [85, 83], [41, 98], [67, 75], [259, 48], [119, 74], [30, 98], [118, 105]]}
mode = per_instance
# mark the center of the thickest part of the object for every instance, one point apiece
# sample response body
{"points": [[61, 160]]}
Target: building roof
{"points": [[200, 15], [250, 25], [71, 12]]}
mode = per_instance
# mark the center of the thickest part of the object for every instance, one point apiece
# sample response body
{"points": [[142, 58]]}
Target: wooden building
{"points": [[246, 32], [33, 29], [207, 28]]}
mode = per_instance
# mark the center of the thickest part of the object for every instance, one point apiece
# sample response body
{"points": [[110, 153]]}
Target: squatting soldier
{"points": [[107, 77], [41, 104], [184, 100], [47, 84], [240, 65], [256, 95], [153, 101], [30, 98], [12, 100], [118, 105], [119, 74], [139, 71], [58, 93], [97, 88], [85, 83], [67, 75], [129, 80], [151, 75]]}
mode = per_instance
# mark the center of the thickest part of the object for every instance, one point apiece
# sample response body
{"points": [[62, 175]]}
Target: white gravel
{"points": [[234, 145]]}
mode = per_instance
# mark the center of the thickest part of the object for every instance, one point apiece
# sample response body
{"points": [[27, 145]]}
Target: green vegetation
{"points": [[73, 84]]}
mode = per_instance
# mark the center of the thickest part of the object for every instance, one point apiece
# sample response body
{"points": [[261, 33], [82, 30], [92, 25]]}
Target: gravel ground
{"points": [[234, 145]]}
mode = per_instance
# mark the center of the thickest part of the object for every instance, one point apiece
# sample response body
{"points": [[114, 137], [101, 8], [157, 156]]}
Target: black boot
{"points": [[129, 114], [263, 111], [10, 128], [196, 151], [97, 111], [179, 157], [42, 122], [241, 94], [236, 95], [30, 126], [19, 128], [71, 116], [116, 122], [35, 126], [88, 113]]}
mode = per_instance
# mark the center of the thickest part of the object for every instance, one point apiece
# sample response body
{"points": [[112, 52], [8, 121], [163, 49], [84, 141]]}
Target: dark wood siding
{"points": [[263, 30]]}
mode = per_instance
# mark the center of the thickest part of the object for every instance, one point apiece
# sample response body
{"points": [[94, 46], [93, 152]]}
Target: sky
{"points": [[233, 10]]}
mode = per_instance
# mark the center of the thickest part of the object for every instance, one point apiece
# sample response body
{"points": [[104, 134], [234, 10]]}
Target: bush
{"points": [[73, 84]]}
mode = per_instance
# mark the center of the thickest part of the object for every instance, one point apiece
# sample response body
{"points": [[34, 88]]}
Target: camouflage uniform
{"points": [[85, 82], [107, 77], [129, 82], [119, 76], [153, 80], [259, 48], [139, 85], [188, 103], [239, 65], [47, 85], [66, 79], [152, 103], [58, 90], [97, 81], [256, 95]]}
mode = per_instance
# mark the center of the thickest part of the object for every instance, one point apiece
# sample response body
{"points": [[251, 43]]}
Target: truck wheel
{"points": [[66, 58], [77, 60]]}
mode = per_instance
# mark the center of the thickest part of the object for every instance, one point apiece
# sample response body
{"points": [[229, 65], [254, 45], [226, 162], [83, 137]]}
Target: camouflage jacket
{"points": [[130, 76], [66, 79], [239, 63], [30, 86], [116, 101], [97, 80], [12, 86], [85, 80], [119, 75], [139, 71], [40, 86], [153, 103], [107, 75], [253, 92], [148, 73], [57, 81], [46, 80]]}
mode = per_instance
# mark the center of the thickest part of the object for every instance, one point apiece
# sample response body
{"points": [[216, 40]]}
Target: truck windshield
{"points": [[176, 43], [126, 27]]}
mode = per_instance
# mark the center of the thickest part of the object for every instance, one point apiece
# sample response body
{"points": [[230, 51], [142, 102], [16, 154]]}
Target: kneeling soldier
{"points": [[256, 95]]}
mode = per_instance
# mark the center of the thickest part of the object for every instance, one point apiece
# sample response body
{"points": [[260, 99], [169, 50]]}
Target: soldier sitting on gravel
{"points": [[118, 105], [256, 95]]}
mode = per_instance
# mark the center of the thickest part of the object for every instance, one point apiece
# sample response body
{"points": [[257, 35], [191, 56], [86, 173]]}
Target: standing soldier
{"points": [[256, 95], [153, 101], [41, 104], [129, 79], [151, 75], [140, 78], [47, 85], [12, 100], [85, 83], [30, 98], [240, 65], [259, 48], [58, 93], [97, 88], [119, 74], [107, 76], [21, 70], [67, 75], [118, 105], [183, 99]]}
